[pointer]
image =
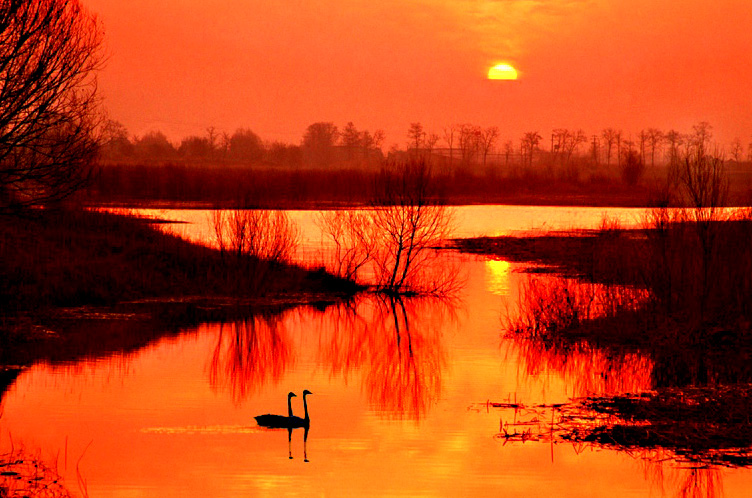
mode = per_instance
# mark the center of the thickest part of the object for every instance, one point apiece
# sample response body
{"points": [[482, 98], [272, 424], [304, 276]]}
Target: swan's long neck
{"points": [[305, 407], [289, 405]]}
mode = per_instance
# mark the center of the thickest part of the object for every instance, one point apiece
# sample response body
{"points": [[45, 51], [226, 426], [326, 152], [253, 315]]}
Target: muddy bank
{"points": [[69, 334], [77, 283]]}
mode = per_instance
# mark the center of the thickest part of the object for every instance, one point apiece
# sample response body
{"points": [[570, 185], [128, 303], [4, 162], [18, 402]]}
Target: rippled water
{"points": [[399, 405]]}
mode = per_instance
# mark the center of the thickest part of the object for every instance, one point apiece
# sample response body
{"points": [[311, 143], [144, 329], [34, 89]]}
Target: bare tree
{"points": [[469, 142], [609, 136], [224, 144], [705, 191], [396, 237], [528, 145], [353, 237], [705, 183], [567, 142], [450, 134], [431, 140], [655, 139], [736, 150], [410, 222], [421, 143], [488, 137], [212, 137], [674, 140], [702, 132], [508, 151], [49, 52], [256, 233], [627, 148], [416, 136], [643, 140]]}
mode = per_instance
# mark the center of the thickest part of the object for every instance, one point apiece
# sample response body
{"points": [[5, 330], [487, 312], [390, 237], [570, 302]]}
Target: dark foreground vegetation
{"points": [[685, 277], [701, 426], [186, 185], [72, 258], [670, 302], [683, 282]]}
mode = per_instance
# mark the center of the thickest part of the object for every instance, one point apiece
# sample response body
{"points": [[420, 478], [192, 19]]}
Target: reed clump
{"points": [[22, 474], [685, 275], [696, 425]]}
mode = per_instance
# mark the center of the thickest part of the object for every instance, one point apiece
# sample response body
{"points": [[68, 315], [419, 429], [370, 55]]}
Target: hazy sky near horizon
{"points": [[277, 66]]}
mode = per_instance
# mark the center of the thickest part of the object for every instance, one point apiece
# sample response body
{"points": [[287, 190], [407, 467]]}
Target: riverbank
{"points": [[60, 269], [674, 296], [673, 282]]}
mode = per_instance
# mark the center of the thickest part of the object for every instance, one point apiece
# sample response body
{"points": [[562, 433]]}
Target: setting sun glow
{"points": [[502, 72]]}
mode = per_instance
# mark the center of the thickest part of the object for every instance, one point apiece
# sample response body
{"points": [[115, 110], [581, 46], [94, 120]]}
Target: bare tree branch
{"points": [[49, 52]]}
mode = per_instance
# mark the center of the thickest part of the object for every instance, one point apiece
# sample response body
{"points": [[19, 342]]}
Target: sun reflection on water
{"points": [[497, 275]]}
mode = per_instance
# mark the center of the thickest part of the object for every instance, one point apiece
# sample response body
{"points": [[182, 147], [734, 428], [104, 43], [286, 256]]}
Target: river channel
{"points": [[401, 404]]}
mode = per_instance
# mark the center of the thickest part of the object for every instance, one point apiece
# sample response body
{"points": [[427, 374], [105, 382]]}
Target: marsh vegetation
{"points": [[397, 236]]}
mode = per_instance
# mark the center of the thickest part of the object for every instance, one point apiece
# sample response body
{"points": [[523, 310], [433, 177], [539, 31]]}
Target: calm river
{"points": [[399, 404]]}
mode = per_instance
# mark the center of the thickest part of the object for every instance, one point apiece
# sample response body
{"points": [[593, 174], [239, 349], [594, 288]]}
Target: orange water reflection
{"points": [[587, 371], [395, 411], [248, 354], [392, 382], [397, 346], [393, 345]]}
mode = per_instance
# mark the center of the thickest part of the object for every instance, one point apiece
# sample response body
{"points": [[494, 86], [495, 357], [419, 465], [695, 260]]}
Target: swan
{"points": [[280, 421], [306, 420]]}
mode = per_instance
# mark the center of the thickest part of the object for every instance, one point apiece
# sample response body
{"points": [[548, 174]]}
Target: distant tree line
{"points": [[337, 165], [323, 145], [468, 144]]}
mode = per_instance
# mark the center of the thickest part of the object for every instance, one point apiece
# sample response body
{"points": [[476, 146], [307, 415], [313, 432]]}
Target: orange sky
{"points": [[278, 66]]}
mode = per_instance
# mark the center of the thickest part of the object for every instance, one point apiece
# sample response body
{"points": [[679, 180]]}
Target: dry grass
{"points": [[73, 258], [696, 425], [22, 475], [137, 184], [693, 277]]}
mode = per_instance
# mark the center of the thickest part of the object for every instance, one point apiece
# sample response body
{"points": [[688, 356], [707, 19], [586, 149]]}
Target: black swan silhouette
{"points": [[281, 421], [297, 421]]}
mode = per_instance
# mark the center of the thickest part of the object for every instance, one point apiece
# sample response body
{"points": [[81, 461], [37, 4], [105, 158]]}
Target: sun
{"points": [[502, 72]]}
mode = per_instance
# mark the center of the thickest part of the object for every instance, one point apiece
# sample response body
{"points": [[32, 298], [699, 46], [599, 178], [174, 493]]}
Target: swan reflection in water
{"points": [[394, 344], [289, 422]]}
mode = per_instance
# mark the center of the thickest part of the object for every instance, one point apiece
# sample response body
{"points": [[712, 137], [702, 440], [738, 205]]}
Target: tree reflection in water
{"points": [[680, 406], [396, 346], [249, 354], [393, 344], [586, 370], [694, 482]]}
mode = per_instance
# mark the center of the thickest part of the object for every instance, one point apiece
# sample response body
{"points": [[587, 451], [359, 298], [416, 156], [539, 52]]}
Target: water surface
{"points": [[399, 405]]}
